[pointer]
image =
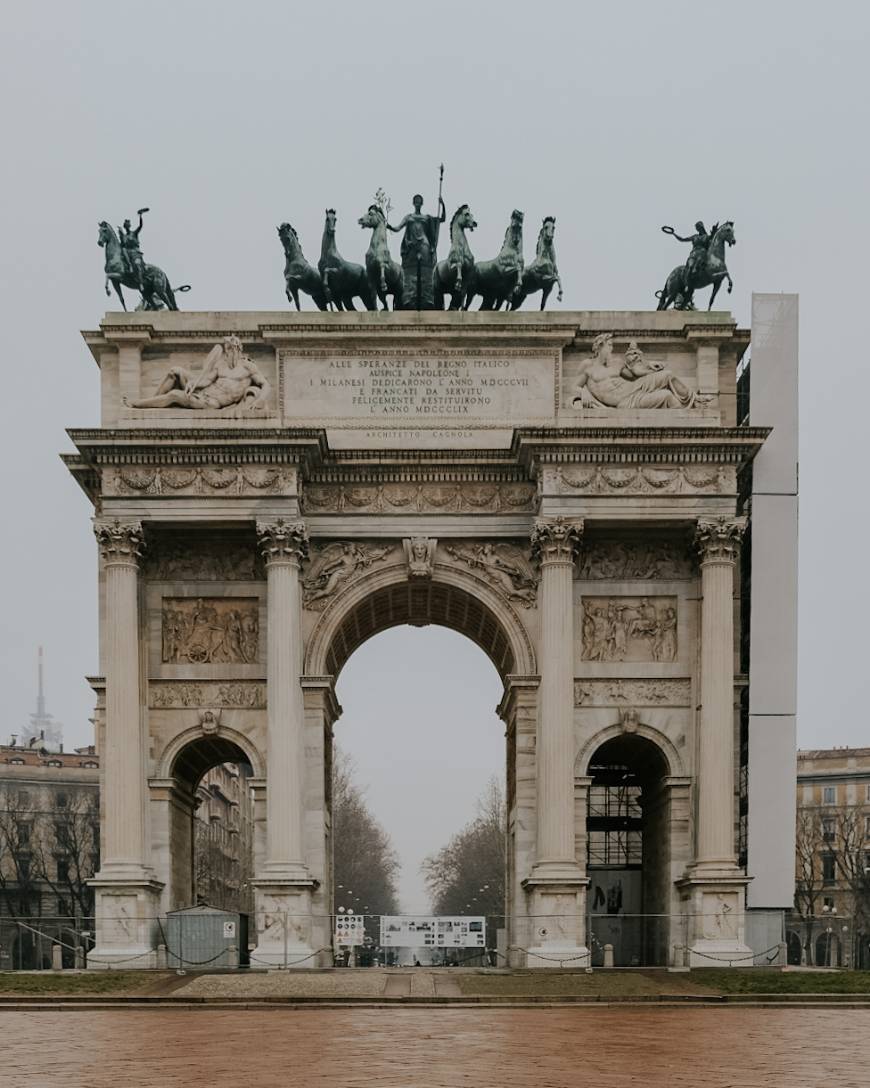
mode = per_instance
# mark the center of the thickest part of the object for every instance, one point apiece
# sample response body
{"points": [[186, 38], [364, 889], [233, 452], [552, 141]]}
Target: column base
{"points": [[715, 895], [283, 920], [557, 909], [127, 922]]}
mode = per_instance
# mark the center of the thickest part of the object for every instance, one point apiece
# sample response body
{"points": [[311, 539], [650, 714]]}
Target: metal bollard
{"points": [[161, 957], [80, 958], [608, 955], [56, 957]]}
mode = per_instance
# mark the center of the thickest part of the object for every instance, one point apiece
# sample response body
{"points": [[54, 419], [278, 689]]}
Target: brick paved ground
{"points": [[437, 1048]]}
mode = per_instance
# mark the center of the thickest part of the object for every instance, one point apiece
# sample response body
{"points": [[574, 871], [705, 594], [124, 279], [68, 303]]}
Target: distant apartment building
{"points": [[49, 848], [831, 922]]}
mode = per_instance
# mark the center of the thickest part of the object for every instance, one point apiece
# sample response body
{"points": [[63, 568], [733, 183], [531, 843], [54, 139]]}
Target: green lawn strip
{"points": [[90, 982], [554, 983], [756, 980]]}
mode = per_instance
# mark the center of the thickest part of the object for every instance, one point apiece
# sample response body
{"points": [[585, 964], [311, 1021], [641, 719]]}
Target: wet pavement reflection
{"points": [[436, 1048]]}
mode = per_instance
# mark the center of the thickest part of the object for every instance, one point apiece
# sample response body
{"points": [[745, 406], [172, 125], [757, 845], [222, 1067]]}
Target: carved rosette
{"points": [[283, 541], [717, 540], [556, 540], [120, 542]]}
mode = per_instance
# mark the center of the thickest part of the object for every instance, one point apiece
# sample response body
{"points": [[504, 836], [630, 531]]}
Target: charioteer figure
{"points": [[419, 253], [129, 239], [706, 265], [700, 242]]}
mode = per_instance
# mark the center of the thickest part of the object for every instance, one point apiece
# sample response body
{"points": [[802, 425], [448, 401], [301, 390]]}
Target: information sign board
{"points": [[432, 931], [349, 929]]}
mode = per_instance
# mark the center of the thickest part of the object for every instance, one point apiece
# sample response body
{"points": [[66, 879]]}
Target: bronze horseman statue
{"points": [[126, 267], [419, 252], [705, 266]]}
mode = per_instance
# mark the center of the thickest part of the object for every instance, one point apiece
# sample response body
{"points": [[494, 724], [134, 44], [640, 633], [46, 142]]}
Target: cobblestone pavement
{"points": [[437, 1048]]}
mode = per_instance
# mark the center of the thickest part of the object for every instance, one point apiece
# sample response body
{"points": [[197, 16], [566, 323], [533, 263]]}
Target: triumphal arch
{"points": [[272, 489]]}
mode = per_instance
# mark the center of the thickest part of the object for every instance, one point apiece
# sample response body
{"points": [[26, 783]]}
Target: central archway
{"points": [[463, 603]]}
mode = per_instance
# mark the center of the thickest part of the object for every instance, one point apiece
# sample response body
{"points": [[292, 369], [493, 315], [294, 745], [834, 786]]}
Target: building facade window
{"points": [[828, 872], [62, 869], [61, 800], [829, 795], [829, 828], [867, 827]]}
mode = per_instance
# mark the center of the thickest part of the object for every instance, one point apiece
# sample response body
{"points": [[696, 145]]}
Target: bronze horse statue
{"points": [[343, 281], [385, 276], [678, 293], [543, 272], [499, 280], [157, 293], [454, 275], [299, 275]]}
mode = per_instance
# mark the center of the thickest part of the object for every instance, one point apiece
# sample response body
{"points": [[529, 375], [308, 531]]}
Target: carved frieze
{"points": [[418, 498], [211, 630], [629, 628], [334, 566], [183, 694], [621, 559], [505, 567], [640, 480], [618, 692], [230, 480], [202, 558]]}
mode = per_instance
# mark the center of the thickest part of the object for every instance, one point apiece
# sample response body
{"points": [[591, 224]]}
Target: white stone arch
{"points": [[346, 602], [166, 761], [666, 746]]}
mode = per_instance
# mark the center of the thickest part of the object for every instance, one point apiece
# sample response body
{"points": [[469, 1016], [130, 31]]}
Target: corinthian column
{"points": [[121, 545], [718, 542], [555, 543], [284, 546]]}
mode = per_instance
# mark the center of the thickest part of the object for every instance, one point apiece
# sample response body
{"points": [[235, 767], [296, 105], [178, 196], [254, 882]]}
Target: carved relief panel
{"points": [[203, 558], [210, 630], [629, 629]]}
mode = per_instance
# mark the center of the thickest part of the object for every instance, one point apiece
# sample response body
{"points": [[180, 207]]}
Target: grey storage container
{"points": [[203, 936]]}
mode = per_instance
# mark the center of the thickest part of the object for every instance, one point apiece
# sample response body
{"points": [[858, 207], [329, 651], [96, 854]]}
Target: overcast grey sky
{"points": [[229, 118]]}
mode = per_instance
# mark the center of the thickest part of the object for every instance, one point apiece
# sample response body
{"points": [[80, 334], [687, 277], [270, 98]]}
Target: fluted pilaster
{"points": [[284, 546], [555, 543], [121, 546], [718, 543]]}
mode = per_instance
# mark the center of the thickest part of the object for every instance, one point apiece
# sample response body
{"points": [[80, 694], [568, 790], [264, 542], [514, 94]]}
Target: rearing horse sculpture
{"points": [[678, 292], [299, 275], [342, 280], [542, 273], [157, 293], [384, 274], [499, 280], [454, 275]]}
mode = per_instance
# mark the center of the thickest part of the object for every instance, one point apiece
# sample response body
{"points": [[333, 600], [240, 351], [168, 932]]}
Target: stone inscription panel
{"points": [[420, 388], [629, 628], [210, 630]]}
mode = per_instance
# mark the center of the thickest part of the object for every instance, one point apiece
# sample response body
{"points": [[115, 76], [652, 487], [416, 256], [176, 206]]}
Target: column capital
{"points": [[120, 542], [718, 539], [282, 541], [556, 540]]}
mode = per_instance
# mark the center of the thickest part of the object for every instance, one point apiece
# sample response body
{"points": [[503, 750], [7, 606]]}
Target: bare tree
{"points": [[809, 883], [65, 854], [468, 874], [366, 864], [18, 832]]}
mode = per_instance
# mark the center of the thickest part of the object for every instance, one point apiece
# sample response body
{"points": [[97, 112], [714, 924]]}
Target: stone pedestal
{"points": [[557, 884], [127, 895], [283, 884], [715, 888]]}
